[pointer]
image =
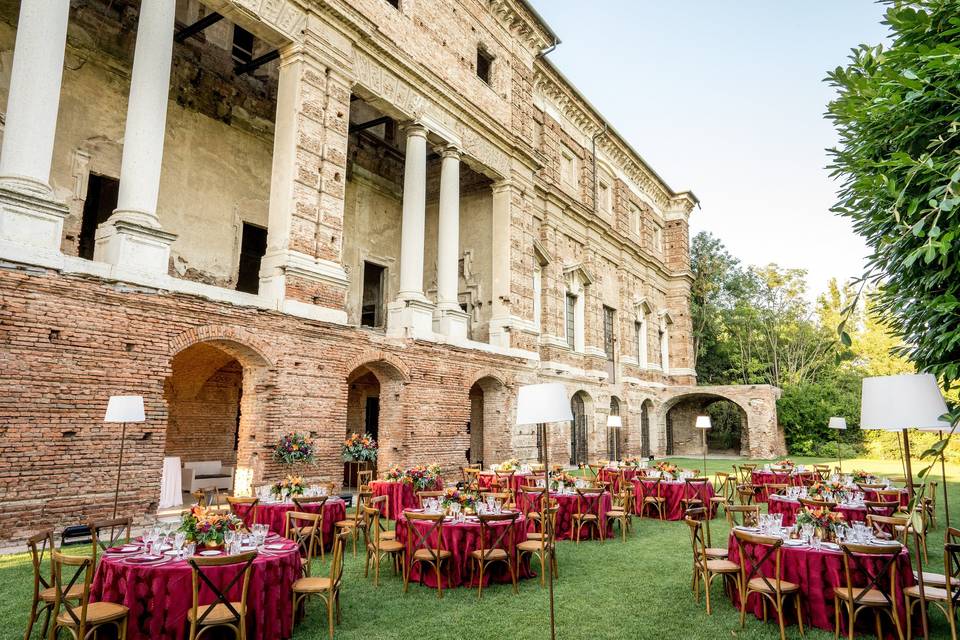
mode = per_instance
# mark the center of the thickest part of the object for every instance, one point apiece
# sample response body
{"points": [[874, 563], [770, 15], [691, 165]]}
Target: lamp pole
{"points": [[116, 491], [548, 529]]}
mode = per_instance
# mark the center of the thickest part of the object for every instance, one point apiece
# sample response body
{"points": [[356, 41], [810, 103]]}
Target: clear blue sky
{"points": [[725, 97]]}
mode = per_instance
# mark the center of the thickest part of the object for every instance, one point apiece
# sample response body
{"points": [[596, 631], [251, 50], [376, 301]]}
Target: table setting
{"points": [[273, 507], [673, 488], [849, 502], [563, 489], [401, 487]]}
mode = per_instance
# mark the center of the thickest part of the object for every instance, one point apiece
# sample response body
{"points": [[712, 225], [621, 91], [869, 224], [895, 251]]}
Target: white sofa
{"points": [[207, 474]]}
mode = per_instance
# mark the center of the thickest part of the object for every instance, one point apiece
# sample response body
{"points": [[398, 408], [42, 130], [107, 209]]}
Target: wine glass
{"points": [[178, 539], [229, 537]]}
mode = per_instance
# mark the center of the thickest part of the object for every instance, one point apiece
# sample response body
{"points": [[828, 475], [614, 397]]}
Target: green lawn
{"points": [[637, 589]]}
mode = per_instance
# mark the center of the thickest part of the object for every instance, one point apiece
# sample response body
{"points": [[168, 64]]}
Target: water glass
{"points": [[229, 537], [806, 531]]}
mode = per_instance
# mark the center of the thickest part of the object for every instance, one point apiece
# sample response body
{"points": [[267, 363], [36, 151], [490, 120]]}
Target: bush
{"points": [[805, 409]]}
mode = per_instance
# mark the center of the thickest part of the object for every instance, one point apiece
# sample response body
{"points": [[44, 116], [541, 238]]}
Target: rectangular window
{"points": [[101, 200], [537, 294], [636, 220], [484, 64], [603, 195], [657, 237], [571, 322], [371, 306], [253, 244], [568, 167], [609, 320], [242, 45]]}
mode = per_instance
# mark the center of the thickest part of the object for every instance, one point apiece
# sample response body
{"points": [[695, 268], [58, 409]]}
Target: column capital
{"points": [[448, 151], [414, 128]]}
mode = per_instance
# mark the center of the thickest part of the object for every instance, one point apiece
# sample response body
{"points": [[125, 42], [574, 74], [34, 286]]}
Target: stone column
{"points": [[29, 214], [500, 316], [449, 319], [411, 313], [132, 237]]}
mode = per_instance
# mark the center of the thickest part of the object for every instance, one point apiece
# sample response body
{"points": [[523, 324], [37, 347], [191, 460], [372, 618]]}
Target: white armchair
{"points": [[205, 475]]}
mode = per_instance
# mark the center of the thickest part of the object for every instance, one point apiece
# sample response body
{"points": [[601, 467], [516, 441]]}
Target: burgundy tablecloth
{"points": [[817, 572], [789, 509], [873, 496], [160, 596], [402, 496], [673, 491], [485, 480], [274, 515], [460, 538], [789, 478], [567, 503], [606, 475]]}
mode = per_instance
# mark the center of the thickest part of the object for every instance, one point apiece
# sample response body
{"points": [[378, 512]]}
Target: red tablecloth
{"points": [[673, 491], [159, 596], [789, 478], [460, 538], [873, 496], [485, 479], [274, 515], [817, 572], [402, 496], [567, 503], [789, 509], [606, 475]]}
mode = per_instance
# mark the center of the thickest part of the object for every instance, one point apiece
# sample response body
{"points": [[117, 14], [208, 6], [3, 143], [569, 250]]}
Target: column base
{"points": [[312, 286], [30, 216], [451, 322], [133, 246], [410, 318]]}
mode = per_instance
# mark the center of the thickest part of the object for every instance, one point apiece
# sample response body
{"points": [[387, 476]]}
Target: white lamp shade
{"points": [[540, 403], [910, 401], [614, 421], [125, 409], [837, 423], [703, 422]]}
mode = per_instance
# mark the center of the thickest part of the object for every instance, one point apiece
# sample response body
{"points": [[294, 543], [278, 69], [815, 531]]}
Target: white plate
{"points": [[209, 552], [794, 543], [275, 547]]}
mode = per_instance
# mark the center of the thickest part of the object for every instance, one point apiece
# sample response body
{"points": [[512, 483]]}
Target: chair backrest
{"points": [[746, 493], [68, 572], [889, 524], [317, 501], [878, 507], [241, 564], [247, 510], [951, 568], [364, 477], [108, 533], [774, 488], [549, 513], [500, 529], [753, 566], [696, 488], [749, 515], [884, 565], [817, 504], [650, 488], [889, 495], [363, 496], [371, 526], [304, 527], [505, 497], [40, 546], [504, 476], [588, 501], [697, 542], [418, 538], [532, 499], [534, 479], [425, 495], [336, 562]]}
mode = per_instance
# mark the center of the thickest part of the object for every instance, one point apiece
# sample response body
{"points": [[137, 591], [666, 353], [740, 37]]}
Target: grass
{"points": [[638, 589]]}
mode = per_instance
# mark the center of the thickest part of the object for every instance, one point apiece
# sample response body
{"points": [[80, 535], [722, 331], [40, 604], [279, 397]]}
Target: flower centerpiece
{"points": [[423, 477], [827, 491], [205, 526], [466, 499], [633, 461], [561, 477], [508, 465], [786, 464], [394, 474], [667, 469], [293, 448], [288, 487], [359, 448], [824, 521], [862, 477]]}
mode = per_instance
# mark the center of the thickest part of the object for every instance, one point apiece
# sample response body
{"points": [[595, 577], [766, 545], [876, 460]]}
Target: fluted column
{"points": [[448, 318], [132, 237], [29, 214]]}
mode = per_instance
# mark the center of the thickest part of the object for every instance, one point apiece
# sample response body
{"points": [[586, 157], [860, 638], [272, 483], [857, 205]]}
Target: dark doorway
{"points": [[669, 434], [371, 417], [645, 429], [253, 244], [608, 343], [614, 434], [242, 51], [363, 415], [371, 306], [101, 200], [578, 431]]}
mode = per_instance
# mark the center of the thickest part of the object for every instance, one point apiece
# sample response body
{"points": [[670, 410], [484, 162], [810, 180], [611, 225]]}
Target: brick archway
{"points": [[382, 377], [490, 435]]}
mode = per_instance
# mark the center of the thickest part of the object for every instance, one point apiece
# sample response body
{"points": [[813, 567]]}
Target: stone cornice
{"points": [[521, 23], [551, 83]]}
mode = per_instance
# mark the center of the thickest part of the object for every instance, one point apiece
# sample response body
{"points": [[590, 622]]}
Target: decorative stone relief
{"points": [[282, 15]]}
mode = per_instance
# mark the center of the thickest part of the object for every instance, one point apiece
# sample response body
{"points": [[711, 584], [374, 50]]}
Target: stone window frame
{"points": [[666, 321], [485, 51], [635, 211], [642, 310], [541, 259], [568, 158], [577, 280]]}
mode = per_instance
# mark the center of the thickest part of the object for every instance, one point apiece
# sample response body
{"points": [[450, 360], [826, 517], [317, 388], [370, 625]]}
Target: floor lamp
{"points": [[123, 409], [900, 403], [614, 422], [703, 424], [838, 424], [539, 404]]}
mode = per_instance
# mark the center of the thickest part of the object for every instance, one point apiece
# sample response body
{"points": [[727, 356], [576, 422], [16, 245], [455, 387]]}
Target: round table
{"points": [[401, 496], [485, 480], [567, 506], [817, 573], [159, 595], [874, 496], [274, 515], [673, 491], [789, 508], [629, 473], [460, 538], [789, 478]]}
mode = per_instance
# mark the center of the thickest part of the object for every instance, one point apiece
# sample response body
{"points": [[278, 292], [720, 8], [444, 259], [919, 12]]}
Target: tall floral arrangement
{"points": [[422, 477], [359, 448], [293, 448], [668, 469], [508, 465]]}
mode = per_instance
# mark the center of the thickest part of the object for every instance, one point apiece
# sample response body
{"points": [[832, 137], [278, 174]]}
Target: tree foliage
{"points": [[897, 113]]}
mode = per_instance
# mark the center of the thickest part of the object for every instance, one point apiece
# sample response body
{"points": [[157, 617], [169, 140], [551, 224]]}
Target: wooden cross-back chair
{"points": [[419, 549], [700, 515], [379, 547], [364, 478], [326, 588], [817, 504], [772, 589], [706, 568], [470, 473], [889, 527], [80, 617], [543, 546], [745, 473], [749, 515], [531, 501], [879, 594], [500, 528], [621, 512], [725, 489], [774, 489], [224, 612], [314, 506], [247, 507], [426, 495], [41, 547], [746, 493], [943, 590], [352, 524], [651, 496], [382, 503], [505, 497], [694, 493], [108, 533], [588, 514], [304, 529]]}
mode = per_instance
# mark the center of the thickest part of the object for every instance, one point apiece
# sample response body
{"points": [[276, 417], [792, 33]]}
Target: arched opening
{"points": [[374, 407], [578, 429], [728, 432], [645, 410], [363, 414], [615, 434], [215, 409], [488, 437]]}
